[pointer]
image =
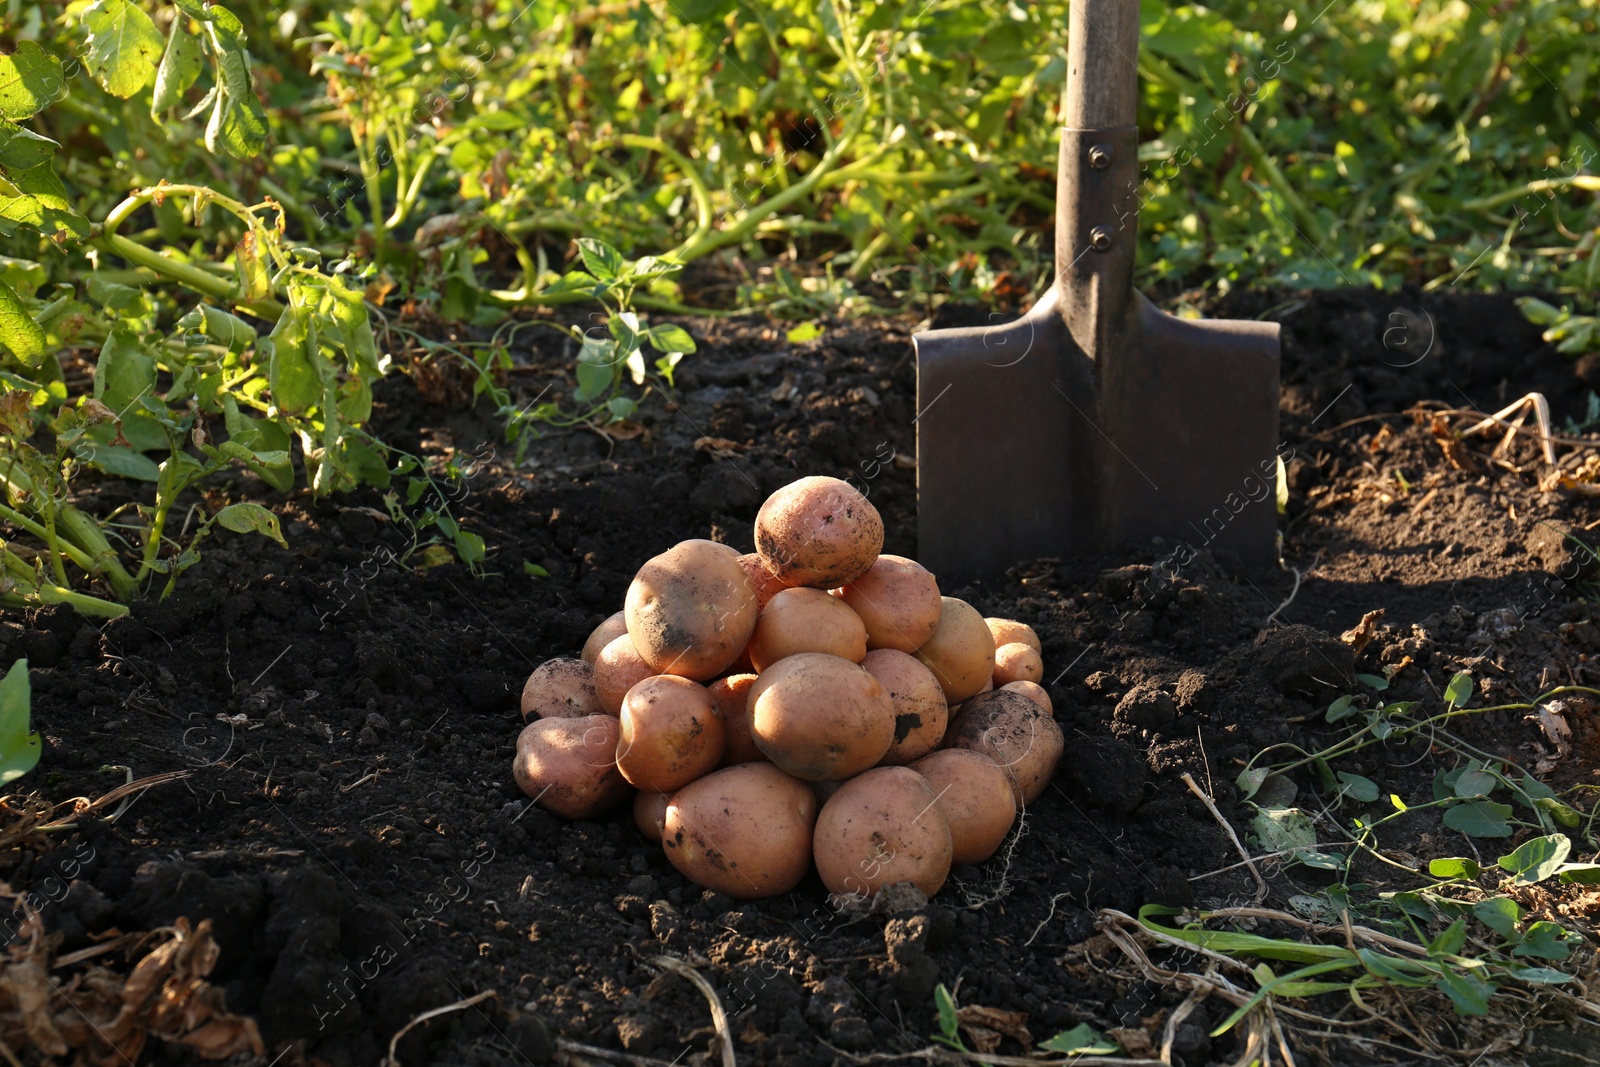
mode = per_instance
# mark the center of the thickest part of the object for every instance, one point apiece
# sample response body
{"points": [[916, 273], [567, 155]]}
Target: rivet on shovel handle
{"points": [[1100, 156], [1101, 238]]}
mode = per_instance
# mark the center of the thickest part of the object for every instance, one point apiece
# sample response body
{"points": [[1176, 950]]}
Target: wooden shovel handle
{"points": [[1102, 64]]}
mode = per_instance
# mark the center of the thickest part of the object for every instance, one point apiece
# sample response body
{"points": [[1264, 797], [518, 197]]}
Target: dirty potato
{"points": [[569, 766], [898, 601], [1014, 732], [744, 831], [820, 717], [691, 610], [560, 689], [818, 532], [881, 828], [920, 713], [961, 651], [671, 734], [806, 620]]}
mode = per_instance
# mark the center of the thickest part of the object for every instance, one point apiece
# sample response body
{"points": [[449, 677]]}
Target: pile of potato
{"points": [[811, 701]]}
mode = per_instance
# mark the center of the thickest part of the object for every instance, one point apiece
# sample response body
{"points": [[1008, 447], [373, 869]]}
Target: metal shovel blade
{"points": [[1096, 419]]}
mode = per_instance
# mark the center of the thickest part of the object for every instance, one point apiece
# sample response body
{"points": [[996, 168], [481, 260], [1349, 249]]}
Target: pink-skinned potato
{"points": [[820, 717], [920, 713], [1034, 692], [961, 652], [881, 828], [671, 733], [806, 620], [1005, 631], [818, 532], [731, 695], [1017, 662], [744, 831], [1016, 733], [560, 689], [617, 669], [898, 602], [569, 766], [766, 584], [691, 610], [975, 799], [608, 631], [649, 814]]}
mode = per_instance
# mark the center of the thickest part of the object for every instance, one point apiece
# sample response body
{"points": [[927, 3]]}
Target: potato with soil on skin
{"points": [[961, 651], [1034, 692], [881, 828], [560, 689], [975, 799], [614, 627], [820, 717], [898, 601], [617, 669], [920, 713], [818, 532], [1014, 732], [649, 814], [691, 610], [1017, 662], [569, 766], [806, 620], [1005, 631], [731, 695], [766, 584], [671, 733], [744, 831]]}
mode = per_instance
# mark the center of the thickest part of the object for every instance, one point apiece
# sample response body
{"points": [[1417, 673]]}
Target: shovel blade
{"points": [[1027, 448]]}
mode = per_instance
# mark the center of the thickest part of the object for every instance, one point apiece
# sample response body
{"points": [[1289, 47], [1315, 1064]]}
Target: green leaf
{"points": [[1358, 788], [1454, 867], [1250, 781], [1282, 829], [1459, 691], [1081, 1040], [34, 197], [1475, 783], [806, 331], [469, 547], [179, 70], [1404, 972], [348, 309], [124, 46], [1540, 313], [1546, 940], [30, 81], [1468, 992], [667, 364], [1373, 681], [949, 1022], [1341, 709], [601, 260], [21, 148], [1479, 818], [19, 746], [123, 373], [22, 336], [1540, 975], [534, 570], [1450, 942], [1580, 873], [1500, 914], [221, 327], [121, 461], [251, 518], [291, 371], [238, 123], [670, 338], [1537, 858]]}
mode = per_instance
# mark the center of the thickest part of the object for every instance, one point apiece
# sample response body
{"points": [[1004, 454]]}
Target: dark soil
{"points": [[351, 825]]}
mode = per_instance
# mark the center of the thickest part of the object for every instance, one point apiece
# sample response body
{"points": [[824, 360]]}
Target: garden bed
{"points": [[350, 825]]}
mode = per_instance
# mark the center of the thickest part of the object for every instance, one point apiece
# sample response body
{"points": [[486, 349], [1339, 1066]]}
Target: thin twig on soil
{"points": [[719, 1016], [936, 1053], [432, 1013], [1244, 854], [573, 1051]]}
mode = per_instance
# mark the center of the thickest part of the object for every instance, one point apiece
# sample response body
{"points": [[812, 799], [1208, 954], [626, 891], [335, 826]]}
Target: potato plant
{"points": [[795, 706]]}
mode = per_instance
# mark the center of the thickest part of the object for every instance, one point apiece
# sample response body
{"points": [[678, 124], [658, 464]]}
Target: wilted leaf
{"points": [[251, 518], [986, 1026], [1359, 636]]}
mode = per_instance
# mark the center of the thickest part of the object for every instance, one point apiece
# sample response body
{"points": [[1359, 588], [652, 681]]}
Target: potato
{"points": [[569, 766], [744, 831], [766, 584], [671, 733], [975, 799], [820, 717], [617, 669], [898, 602], [607, 632], [882, 828], [731, 695], [1016, 733], [920, 713], [649, 813], [560, 689], [960, 653], [806, 620], [1017, 662], [1033, 691], [1005, 631], [691, 610], [818, 532]]}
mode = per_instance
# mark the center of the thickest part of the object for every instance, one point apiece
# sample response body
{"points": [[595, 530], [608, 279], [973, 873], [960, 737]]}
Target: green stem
{"points": [[152, 539], [704, 216], [45, 593], [402, 208], [1587, 182], [72, 552], [372, 178]]}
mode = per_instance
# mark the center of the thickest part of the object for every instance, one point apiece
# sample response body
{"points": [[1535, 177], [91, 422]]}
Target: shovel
{"points": [[1096, 419]]}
